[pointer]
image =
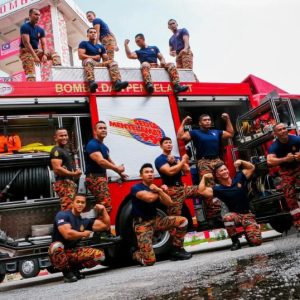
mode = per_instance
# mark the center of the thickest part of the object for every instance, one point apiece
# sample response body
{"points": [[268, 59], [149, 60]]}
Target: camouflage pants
{"points": [[231, 220], [99, 189], [185, 61], [170, 67], [89, 65], [290, 178], [78, 258], [144, 231], [109, 43], [28, 61], [212, 205], [66, 190]]}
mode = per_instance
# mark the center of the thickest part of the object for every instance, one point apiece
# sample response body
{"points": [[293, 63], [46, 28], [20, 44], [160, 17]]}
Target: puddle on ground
{"points": [[272, 277]]}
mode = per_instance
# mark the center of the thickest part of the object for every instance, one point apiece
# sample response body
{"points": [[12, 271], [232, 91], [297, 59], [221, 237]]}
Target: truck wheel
{"points": [[2, 276], [282, 225], [29, 268]]}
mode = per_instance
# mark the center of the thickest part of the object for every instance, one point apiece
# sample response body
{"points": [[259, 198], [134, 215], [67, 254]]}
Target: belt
{"points": [[178, 51], [210, 157], [63, 178], [96, 175]]}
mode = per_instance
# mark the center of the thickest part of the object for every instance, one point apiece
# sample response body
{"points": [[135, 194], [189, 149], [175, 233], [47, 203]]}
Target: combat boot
{"points": [[236, 245], [93, 86], [180, 88], [149, 87], [120, 85], [106, 236], [69, 276], [178, 253], [78, 274]]}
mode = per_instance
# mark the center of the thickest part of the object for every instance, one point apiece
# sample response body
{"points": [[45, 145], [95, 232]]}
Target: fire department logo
{"points": [[239, 185], [142, 130], [56, 153], [81, 228]]}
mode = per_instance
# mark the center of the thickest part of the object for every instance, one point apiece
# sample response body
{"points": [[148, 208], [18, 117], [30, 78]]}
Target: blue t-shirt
{"points": [[104, 29], [140, 208], [282, 150], [168, 180], [91, 166], [234, 196], [77, 223], [91, 49], [206, 142], [148, 54], [176, 40], [35, 34]]}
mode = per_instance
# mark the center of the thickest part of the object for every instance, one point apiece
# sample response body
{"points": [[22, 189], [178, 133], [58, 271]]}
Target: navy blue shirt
{"points": [[91, 49], [35, 34], [206, 142], [148, 54], [91, 166], [168, 180], [140, 208], [104, 29], [234, 196], [282, 150], [176, 40], [77, 223]]}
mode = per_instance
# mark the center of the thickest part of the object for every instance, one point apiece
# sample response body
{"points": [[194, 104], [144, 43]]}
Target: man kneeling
{"points": [[69, 228], [233, 192], [145, 196]]}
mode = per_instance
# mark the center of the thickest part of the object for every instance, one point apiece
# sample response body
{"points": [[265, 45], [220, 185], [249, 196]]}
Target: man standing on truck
{"points": [[180, 47], [285, 153], [207, 142], [148, 55], [145, 199], [233, 192], [69, 228], [61, 163], [97, 161], [30, 54], [90, 52], [104, 34]]}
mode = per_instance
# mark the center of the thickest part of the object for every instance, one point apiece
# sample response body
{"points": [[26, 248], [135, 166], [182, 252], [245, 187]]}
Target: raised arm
{"points": [[129, 54], [60, 171], [229, 133], [205, 191], [147, 196], [181, 135], [163, 197], [114, 37], [106, 164], [273, 161], [248, 168], [72, 235], [104, 223], [172, 170]]}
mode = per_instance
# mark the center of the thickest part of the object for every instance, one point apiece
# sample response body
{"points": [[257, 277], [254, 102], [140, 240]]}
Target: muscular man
{"points": [[148, 55], [105, 35], [90, 52], [69, 228], [30, 54], [207, 142], [285, 153], [64, 186], [180, 47], [145, 198], [233, 192], [170, 167], [97, 161]]}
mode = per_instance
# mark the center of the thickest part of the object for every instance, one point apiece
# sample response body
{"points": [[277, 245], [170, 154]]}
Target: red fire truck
{"points": [[136, 121]]}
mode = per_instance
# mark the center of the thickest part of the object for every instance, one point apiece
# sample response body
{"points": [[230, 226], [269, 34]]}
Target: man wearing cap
{"points": [[207, 142], [285, 153], [180, 47], [30, 54]]}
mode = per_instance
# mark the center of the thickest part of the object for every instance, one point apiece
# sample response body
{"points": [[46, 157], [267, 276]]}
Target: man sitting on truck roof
{"points": [[30, 54], [148, 55], [90, 52], [69, 228], [233, 192], [145, 198]]}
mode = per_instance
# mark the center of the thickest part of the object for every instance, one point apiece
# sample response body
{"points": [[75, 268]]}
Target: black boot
{"points": [[69, 276], [93, 86], [106, 236], [78, 274], [236, 245], [178, 253], [120, 85], [180, 88], [149, 87]]}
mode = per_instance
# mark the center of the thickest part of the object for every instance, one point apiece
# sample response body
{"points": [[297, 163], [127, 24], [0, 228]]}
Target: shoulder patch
{"points": [[56, 153], [100, 50], [60, 221]]}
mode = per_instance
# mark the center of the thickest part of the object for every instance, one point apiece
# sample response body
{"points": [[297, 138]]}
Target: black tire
{"points": [[282, 225], [29, 268], [2, 276]]}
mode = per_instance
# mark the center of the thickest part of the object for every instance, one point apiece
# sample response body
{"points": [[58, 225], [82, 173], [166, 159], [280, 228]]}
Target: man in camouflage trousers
{"points": [[285, 153], [65, 187], [30, 54], [148, 55], [145, 199], [234, 193], [90, 52], [69, 228]]}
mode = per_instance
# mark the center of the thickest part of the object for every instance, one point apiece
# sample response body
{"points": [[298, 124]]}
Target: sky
{"points": [[230, 39]]}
